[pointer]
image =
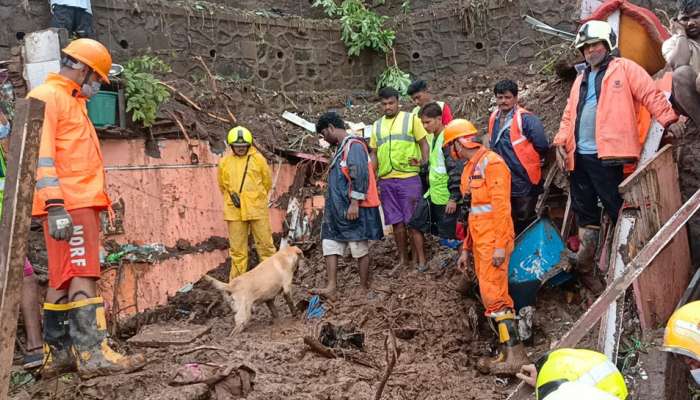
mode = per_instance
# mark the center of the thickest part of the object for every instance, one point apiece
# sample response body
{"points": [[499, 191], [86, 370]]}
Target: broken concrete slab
{"points": [[165, 335]]}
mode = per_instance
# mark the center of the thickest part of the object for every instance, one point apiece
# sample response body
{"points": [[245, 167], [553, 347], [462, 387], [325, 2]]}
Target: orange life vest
{"points": [[527, 155], [372, 198]]}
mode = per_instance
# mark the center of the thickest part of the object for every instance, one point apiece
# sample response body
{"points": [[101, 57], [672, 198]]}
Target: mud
{"points": [[441, 334]]}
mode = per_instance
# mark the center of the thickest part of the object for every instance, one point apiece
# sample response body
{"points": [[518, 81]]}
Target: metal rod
{"points": [[164, 166]]}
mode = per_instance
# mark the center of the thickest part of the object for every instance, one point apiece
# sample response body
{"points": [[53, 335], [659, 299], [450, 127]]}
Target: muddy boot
{"points": [[585, 259], [88, 329], [58, 358], [512, 354], [525, 317]]}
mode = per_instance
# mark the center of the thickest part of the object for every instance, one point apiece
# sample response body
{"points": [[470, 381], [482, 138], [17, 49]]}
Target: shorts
{"points": [[399, 197], [358, 248], [28, 269], [75, 20], [78, 257], [431, 218]]}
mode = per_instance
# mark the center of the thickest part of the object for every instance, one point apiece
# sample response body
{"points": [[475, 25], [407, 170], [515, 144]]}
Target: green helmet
{"points": [[239, 136]]}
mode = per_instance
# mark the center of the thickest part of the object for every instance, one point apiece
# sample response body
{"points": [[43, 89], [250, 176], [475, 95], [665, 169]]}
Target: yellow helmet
{"points": [[682, 334], [582, 366], [239, 136]]}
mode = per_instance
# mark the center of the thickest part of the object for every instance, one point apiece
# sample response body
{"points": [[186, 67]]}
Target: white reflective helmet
{"points": [[579, 391], [596, 31]]}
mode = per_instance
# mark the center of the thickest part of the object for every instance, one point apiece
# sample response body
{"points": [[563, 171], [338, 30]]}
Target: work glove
{"points": [[60, 223]]}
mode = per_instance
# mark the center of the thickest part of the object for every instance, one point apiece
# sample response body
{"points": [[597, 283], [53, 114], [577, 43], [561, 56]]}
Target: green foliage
{"points": [[360, 28], [394, 77], [406, 7], [144, 93]]}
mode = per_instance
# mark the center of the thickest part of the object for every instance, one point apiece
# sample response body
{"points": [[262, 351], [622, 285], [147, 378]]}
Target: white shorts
{"points": [[358, 248]]}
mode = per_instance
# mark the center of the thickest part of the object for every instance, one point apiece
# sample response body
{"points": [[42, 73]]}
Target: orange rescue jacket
{"points": [[527, 155], [70, 170], [625, 86], [486, 178], [372, 199]]}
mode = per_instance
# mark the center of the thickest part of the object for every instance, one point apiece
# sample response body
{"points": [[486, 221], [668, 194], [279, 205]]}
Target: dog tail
{"points": [[218, 285]]}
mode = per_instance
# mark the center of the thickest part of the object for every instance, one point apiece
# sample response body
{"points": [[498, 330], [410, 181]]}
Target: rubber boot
{"points": [[512, 353], [585, 259], [58, 358], [88, 329]]}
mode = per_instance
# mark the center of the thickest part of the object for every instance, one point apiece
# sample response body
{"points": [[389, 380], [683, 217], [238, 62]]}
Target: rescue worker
{"points": [[485, 185], [399, 151], [436, 212], [517, 135], [563, 371], [29, 305], [682, 52], [682, 337], [420, 96], [351, 214], [70, 193], [74, 16], [245, 182], [598, 135]]}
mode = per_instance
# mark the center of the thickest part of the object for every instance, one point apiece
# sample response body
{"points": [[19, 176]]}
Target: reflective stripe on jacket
{"points": [[396, 144], [257, 185], [70, 170], [624, 87], [486, 179], [371, 198], [527, 155]]}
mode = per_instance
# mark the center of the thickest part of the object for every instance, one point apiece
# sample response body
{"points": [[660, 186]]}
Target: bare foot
{"points": [[329, 292]]}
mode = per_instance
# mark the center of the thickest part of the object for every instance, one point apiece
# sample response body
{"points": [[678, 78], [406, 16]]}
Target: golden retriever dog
{"points": [[261, 284]]}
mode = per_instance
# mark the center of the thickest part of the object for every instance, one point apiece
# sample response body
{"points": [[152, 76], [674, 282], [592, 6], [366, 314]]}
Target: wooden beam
{"points": [[618, 287], [14, 227]]}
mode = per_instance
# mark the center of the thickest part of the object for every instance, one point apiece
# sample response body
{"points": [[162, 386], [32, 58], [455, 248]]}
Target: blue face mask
{"points": [[4, 130]]}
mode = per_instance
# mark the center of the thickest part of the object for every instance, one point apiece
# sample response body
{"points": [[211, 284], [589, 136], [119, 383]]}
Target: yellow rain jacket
{"points": [[255, 189]]}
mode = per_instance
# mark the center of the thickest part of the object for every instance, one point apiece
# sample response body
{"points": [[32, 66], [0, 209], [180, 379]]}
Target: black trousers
{"points": [[76, 20], [591, 180], [523, 212]]}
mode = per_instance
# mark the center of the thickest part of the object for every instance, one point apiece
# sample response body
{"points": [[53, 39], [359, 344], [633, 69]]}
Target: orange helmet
{"points": [[463, 130], [93, 54]]}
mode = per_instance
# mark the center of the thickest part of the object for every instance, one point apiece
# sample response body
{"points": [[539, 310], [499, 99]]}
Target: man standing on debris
{"points": [[486, 186], [437, 212], [682, 52], [70, 193], [399, 152], [351, 214], [245, 182], [420, 96], [598, 135], [517, 135], [74, 16]]}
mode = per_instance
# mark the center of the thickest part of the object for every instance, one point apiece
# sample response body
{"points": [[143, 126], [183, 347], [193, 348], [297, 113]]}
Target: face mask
{"points": [[4, 130], [90, 89], [695, 373]]}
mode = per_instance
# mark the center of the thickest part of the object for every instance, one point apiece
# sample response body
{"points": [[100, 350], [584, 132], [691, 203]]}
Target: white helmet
{"points": [[579, 391], [596, 31]]}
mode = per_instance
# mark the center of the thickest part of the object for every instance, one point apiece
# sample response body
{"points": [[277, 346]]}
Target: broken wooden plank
{"points": [[299, 121], [618, 287], [16, 219], [654, 189], [161, 335]]}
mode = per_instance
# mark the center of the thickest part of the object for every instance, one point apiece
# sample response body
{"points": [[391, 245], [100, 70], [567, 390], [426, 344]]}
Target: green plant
{"points": [[360, 28], [394, 77], [406, 6], [144, 93]]}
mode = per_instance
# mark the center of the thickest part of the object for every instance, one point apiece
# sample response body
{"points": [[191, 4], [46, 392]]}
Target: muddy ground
{"points": [[443, 335]]}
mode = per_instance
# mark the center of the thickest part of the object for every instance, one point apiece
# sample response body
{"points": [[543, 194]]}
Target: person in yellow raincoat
{"points": [[244, 181]]}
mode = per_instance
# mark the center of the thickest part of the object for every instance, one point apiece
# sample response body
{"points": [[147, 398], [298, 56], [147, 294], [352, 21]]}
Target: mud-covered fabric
{"points": [[368, 226]]}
